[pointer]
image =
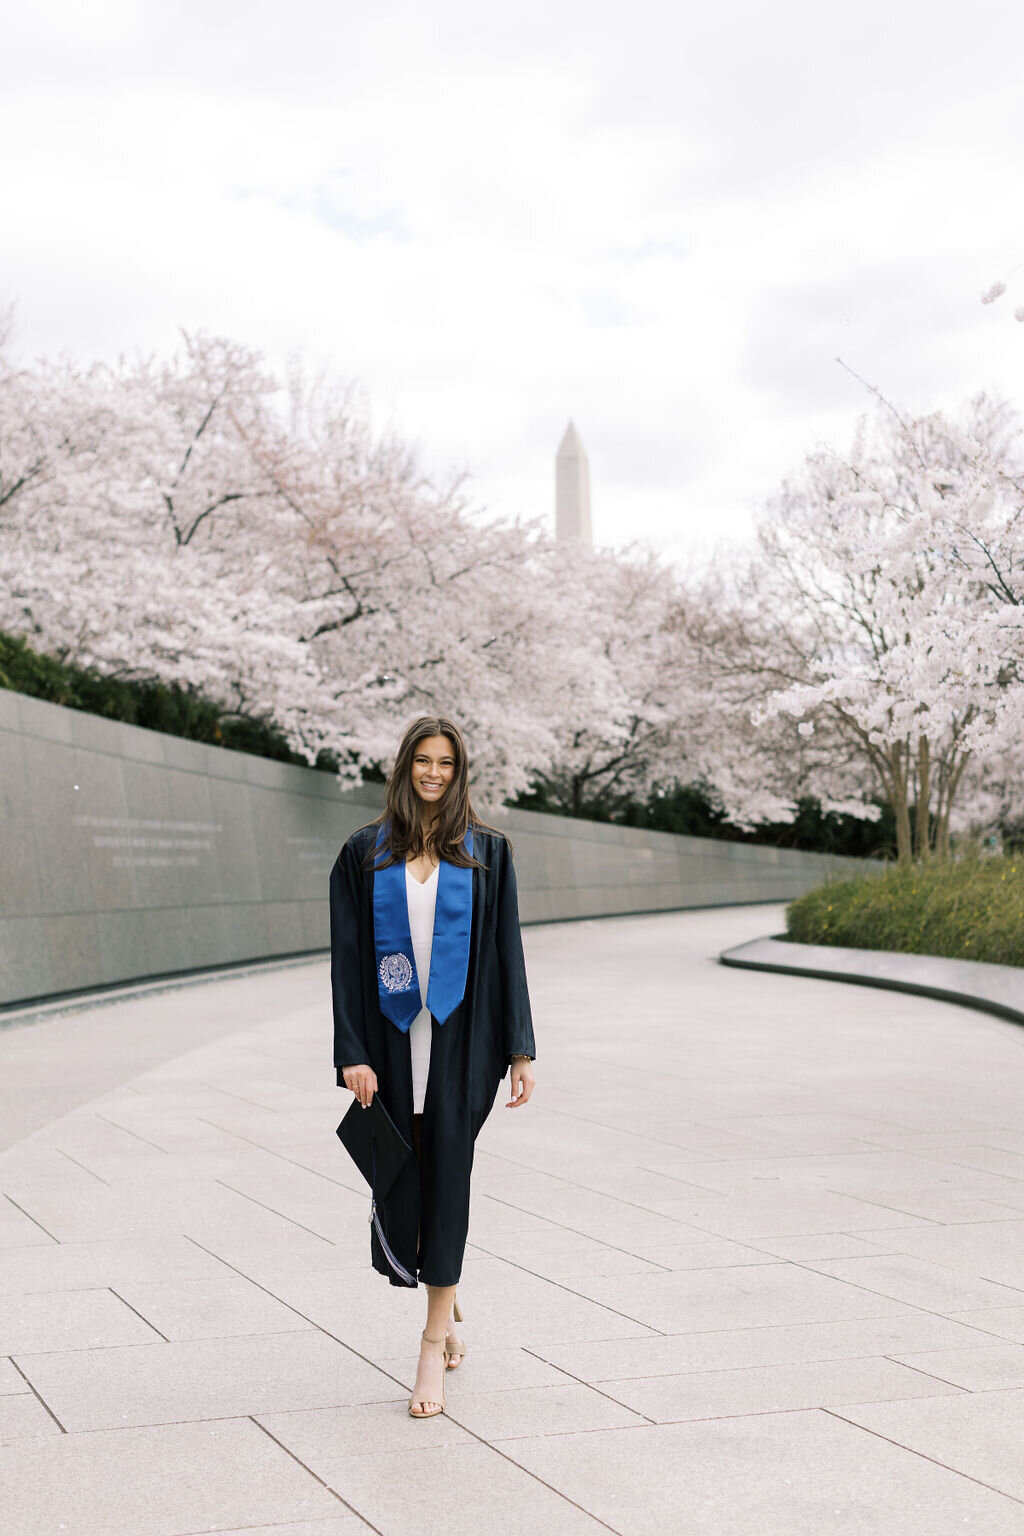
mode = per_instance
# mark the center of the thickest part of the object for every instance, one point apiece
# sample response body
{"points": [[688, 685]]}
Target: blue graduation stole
{"points": [[397, 982]]}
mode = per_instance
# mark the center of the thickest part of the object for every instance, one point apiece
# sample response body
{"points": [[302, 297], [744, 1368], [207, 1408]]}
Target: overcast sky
{"points": [[663, 220]]}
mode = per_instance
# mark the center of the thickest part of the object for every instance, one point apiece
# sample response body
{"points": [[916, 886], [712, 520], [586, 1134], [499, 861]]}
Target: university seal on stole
{"points": [[395, 972]]}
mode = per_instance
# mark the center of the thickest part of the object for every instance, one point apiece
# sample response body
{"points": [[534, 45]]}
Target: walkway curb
{"points": [[995, 989]]}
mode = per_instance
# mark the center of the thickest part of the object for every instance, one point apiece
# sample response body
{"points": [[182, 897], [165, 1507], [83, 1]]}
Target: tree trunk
{"points": [[922, 842], [901, 811], [947, 794]]}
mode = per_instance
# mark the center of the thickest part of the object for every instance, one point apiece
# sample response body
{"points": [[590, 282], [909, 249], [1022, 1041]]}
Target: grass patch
{"points": [[965, 908]]}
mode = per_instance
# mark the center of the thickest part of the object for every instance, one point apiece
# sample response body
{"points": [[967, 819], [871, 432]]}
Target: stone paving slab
{"points": [[445, 1489], [752, 1265], [80, 1320], [505, 1368], [94, 1050], [1007, 1323], [989, 1249], [807, 1471], [168, 1481], [989, 1368], [183, 1381], [57, 1267], [563, 1408], [770, 1389], [976, 1433], [10, 1379], [323, 1435], [918, 1281], [888, 1336], [766, 1295], [210, 1309], [23, 1417], [18, 1230]]}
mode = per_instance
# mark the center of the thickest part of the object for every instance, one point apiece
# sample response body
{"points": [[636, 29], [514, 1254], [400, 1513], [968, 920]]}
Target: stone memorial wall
{"points": [[128, 854]]}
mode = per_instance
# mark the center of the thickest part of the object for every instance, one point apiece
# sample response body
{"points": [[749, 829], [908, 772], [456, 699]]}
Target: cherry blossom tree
{"points": [[625, 696], [881, 620], [193, 522], [134, 535]]}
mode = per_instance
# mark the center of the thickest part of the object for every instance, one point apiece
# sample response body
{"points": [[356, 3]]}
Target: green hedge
{"points": [[967, 908], [157, 706], [689, 810]]}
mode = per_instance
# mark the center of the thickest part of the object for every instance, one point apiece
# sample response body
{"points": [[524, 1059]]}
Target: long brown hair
{"points": [[455, 814]]}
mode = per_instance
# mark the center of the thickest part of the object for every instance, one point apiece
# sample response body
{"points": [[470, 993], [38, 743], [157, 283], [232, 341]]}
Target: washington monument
{"points": [[572, 489]]}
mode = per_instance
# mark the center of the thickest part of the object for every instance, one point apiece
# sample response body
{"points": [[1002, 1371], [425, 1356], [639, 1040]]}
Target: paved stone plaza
{"points": [[751, 1263]]}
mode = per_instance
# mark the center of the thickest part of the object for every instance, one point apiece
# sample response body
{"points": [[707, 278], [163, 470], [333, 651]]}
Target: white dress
{"points": [[422, 899]]}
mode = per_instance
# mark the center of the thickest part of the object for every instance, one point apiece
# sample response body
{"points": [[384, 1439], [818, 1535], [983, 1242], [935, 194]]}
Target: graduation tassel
{"points": [[398, 1267]]}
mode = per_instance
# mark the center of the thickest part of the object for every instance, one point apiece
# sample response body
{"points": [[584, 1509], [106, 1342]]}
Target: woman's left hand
{"points": [[522, 1081]]}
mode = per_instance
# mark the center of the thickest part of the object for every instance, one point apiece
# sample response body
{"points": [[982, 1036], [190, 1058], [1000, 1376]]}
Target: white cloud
{"points": [[665, 224]]}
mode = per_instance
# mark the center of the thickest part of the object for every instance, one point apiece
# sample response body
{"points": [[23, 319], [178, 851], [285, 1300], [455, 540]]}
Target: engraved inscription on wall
{"points": [[135, 841]]}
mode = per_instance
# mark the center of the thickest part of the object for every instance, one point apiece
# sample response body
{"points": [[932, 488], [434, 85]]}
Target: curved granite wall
{"points": [[127, 854]]}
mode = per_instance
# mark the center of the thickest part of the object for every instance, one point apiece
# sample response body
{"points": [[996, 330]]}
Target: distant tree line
{"points": [[206, 548]]}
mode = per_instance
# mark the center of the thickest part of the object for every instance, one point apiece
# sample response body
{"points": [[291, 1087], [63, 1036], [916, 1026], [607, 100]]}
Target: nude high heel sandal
{"points": [[453, 1358], [444, 1395]]}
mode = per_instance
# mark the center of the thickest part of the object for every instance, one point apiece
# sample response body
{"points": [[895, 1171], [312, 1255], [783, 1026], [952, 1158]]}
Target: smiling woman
{"points": [[430, 1009]]}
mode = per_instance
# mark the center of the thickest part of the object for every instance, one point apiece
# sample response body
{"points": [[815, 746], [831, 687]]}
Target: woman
{"points": [[430, 1009]]}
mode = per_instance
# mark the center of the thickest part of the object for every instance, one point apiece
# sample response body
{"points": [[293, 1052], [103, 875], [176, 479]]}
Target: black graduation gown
{"points": [[426, 1214]]}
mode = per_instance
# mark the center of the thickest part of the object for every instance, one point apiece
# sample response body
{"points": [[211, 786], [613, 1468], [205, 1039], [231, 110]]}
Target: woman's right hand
{"points": [[362, 1080]]}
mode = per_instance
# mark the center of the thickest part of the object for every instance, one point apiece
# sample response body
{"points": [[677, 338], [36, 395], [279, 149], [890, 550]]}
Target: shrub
{"points": [[965, 908]]}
